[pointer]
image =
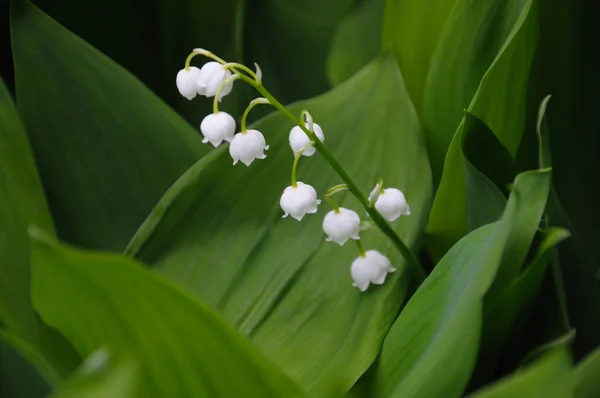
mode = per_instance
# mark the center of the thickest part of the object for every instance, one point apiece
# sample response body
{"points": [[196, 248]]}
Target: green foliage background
{"points": [[135, 262]]}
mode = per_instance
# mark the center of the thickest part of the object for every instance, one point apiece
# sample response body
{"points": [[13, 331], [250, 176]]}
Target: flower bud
{"points": [[217, 127], [210, 78], [373, 267], [341, 225], [299, 140], [299, 200], [247, 146], [186, 81], [392, 204]]}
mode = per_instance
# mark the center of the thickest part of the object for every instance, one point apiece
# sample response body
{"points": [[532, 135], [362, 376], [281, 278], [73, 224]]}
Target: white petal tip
{"points": [[266, 147]]}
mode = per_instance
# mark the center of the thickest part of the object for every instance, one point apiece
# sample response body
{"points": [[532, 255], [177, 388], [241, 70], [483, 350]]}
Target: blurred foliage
{"points": [[440, 98]]}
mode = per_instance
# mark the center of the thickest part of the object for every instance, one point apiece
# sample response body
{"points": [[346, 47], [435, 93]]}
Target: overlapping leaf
{"points": [[479, 41], [549, 377], [101, 376], [438, 331], [219, 232], [106, 147], [587, 376], [22, 202], [182, 347], [502, 91], [412, 29]]}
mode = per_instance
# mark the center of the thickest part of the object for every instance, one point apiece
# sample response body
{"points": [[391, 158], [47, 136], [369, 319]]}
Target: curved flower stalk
{"points": [[215, 79]]}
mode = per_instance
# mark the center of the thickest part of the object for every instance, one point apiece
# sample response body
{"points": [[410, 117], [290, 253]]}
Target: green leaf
{"points": [[501, 311], [502, 92], [101, 376], [182, 346], [446, 311], [22, 202], [412, 30], [587, 376], [548, 377], [106, 147], [219, 232], [356, 41], [479, 54], [483, 168], [290, 39]]}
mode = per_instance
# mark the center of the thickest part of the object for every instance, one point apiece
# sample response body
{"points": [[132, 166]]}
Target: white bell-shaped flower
{"points": [[341, 225], [186, 81], [391, 203], [247, 146], [218, 127], [299, 140], [299, 200], [210, 78], [373, 267]]}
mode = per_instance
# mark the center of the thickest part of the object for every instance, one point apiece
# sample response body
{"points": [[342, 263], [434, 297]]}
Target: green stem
{"points": [[413, 263], [235, 66], [252, 104], [361, 249], [294, 167], [333, 203], [218, 94]]}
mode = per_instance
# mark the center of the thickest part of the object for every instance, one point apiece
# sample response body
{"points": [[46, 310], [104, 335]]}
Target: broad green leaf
{"points": [[356, 41], [22, 202], [183, 348], [106, 147], [483, 168], [488, 170], [412, 30], [290, 39], [501, 311], [219, 232], [478, 37], [549, 377], [438, 331], [101, 376], [587, 376], [502, 92]]}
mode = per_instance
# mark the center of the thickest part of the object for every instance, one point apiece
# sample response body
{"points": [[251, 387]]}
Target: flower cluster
{"points": [[215, 79]]}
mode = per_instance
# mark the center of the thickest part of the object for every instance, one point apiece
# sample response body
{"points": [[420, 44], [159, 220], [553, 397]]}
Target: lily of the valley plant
{"points": [[215, 79]]}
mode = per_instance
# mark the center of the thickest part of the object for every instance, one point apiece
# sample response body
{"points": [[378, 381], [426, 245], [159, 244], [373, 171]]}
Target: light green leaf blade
{"points": [[438, 331], [356, 41], [548, 377], [101, 376], [502, 91], [484, 168], [106, 147], [412, 30], [475, 39], [22, 202], [587, 376], [219, 232], [183, 348]]}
